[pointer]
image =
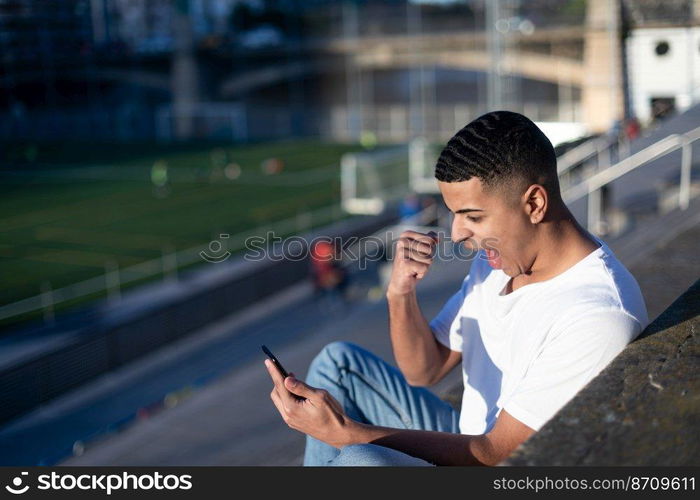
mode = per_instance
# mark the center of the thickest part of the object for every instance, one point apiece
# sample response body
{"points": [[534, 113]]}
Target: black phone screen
{"points": [[279, 366], [275, 361]]}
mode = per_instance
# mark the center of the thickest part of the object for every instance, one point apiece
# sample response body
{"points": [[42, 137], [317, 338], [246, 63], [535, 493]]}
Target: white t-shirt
{"points": [[530, 351]]}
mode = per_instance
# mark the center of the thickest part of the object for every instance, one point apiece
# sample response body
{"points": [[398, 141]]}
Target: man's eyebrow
{"points": [[462, 210]]}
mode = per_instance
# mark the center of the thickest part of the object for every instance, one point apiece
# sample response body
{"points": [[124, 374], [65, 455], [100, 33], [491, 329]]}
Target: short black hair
{"points": [[504, 150]]}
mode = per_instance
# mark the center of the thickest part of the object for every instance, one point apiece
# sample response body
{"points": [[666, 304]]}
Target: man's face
{"points": [[489, 220]]}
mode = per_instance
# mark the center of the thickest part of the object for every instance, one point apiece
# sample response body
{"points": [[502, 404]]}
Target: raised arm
{"points": [[420, 357]]}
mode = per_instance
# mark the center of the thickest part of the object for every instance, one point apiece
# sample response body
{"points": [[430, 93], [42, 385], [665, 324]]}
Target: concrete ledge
{"points": [[642, 409]]}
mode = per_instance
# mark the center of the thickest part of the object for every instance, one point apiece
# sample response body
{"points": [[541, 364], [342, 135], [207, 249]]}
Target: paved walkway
{"points": [[669, 271], [223, 414]]}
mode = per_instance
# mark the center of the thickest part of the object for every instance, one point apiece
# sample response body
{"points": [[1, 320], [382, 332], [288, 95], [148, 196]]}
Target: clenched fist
{"points": [[412, 258]]}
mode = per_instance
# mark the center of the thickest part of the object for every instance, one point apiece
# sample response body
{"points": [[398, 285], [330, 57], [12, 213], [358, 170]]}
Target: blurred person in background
{"points": [[160, 179], [329, 277], [410, 206]]}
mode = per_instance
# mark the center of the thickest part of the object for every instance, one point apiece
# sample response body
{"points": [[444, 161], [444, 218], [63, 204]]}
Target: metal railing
{"points": [[600, 148], [592, 186], [114, 278]]}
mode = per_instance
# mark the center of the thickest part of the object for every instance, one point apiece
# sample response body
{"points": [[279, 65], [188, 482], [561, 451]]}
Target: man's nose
{"points": [[459, 234]]}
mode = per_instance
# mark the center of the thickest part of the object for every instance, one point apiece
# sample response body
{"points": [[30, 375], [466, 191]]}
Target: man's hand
{"points": [[319, 415], [412, 259]]}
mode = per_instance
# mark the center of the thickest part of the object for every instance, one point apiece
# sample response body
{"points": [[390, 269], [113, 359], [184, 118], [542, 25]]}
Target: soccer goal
{"points": [[372, 179]]}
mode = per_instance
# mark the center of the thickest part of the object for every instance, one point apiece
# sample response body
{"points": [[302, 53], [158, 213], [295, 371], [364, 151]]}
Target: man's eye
{"points": [[473, 219]]}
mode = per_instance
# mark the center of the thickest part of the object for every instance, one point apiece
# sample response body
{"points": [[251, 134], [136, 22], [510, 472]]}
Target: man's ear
{"points": [[535, 201]]}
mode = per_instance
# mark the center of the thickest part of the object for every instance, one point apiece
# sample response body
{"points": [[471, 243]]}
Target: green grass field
{"points": [[73, 208]]}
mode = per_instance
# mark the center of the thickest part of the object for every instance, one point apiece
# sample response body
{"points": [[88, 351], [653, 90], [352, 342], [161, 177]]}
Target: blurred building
{"points": [[53, 76], [43, 47], [267, 69], [663, 56]]}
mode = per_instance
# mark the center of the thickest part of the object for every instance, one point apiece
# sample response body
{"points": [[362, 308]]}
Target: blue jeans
{"points": [[373, 392]]}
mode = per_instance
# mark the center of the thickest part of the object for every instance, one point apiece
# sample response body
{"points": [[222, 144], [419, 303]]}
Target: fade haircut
{"points": [[505, 150]]}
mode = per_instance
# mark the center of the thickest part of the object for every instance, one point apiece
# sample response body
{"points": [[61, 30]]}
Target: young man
{"points": [[544, 308]]}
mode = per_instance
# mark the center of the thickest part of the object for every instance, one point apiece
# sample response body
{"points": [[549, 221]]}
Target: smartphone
{"points": [[280, 368], [275, 361]]}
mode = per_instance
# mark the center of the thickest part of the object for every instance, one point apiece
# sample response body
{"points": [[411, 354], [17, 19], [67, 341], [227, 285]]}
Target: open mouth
{"points": [[494, 258]]}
